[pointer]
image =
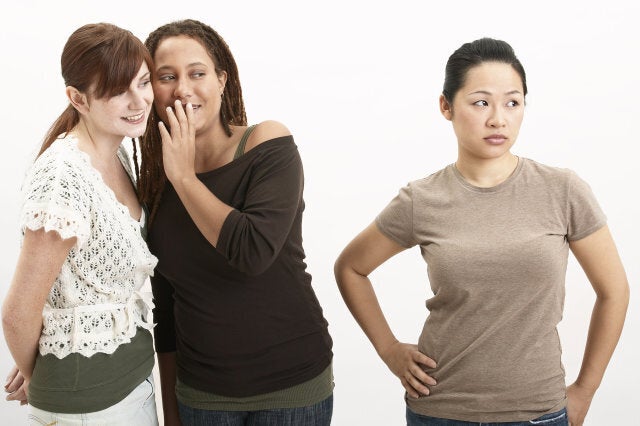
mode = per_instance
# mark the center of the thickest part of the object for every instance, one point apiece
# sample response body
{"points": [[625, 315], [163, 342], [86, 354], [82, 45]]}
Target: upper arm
{"points": [[366, 252], [598, 256], [41, 258]]}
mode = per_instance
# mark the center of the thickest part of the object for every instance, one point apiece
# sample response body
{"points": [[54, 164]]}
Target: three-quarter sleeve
{"points": [[251, 237]]}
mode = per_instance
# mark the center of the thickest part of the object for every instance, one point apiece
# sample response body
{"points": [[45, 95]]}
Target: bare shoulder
{"points": [[265, 131]]}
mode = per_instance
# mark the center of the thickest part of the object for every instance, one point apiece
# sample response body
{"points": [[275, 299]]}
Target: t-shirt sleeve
{"points": [[55, 197], [396, 220], [584, 213]]}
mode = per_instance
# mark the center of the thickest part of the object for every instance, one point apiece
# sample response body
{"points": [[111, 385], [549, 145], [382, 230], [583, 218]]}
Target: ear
{"points": [[77, 99], [445, 108], [222, 80]]}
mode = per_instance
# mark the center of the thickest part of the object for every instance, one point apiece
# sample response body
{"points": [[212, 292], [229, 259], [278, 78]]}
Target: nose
{"points": [[140, 99], [182, 90], [497, 118]]}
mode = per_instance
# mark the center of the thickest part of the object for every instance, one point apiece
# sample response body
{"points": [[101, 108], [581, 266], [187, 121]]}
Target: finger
{"points": [[179, 110], [19, 395], [16, 396], [11, 376], [421, 358], [15, 384], [164, 134], [174, 125], [417, 384], [181, 115], [421, 375], [191, 120], [410, 390]]}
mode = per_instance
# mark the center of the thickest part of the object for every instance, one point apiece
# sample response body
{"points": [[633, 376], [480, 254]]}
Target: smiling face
{"points": [[487, 111], [123, 115], [185, 71]]}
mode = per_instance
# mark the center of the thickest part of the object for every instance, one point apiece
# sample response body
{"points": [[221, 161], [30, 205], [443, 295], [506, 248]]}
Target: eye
{"points": [[198, 74], [481, 103], [513, 104], [166, 77], [145, 83]]}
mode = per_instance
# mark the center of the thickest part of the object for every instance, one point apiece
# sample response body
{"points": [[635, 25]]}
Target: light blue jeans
{"points": [[313, 415], [559, 418], [138, 408]]}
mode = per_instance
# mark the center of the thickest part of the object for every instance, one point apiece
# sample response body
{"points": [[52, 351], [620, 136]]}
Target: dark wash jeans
{"points": [[313, 415], [559, 418]]}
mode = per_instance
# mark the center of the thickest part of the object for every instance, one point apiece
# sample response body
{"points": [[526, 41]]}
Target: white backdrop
{"points": [[357, 83]]}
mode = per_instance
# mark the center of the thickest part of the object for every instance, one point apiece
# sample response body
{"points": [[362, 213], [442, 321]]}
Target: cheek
{"points": [[162, 95], [149, 96], [162, 112], [463, 120]]}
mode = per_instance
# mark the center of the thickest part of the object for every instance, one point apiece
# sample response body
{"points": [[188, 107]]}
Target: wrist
{"points": [[586, 390], [383, 349], [183, 181]]}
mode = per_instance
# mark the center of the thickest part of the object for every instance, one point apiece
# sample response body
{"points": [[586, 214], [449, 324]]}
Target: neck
{"points": [[486, 173], [212, 149], [102, 150]]}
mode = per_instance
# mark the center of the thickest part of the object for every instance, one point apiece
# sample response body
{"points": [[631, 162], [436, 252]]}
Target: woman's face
{"points": [[126, 114], [487, 111], [185, 71]]}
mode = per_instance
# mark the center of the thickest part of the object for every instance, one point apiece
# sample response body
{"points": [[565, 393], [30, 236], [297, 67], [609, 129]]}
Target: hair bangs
{"points": [[122, 60]]}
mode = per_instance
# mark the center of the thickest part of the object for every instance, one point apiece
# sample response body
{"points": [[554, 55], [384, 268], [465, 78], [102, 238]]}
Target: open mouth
{"points": [[134, 118]]}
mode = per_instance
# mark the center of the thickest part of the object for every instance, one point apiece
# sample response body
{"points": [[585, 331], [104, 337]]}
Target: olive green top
{"points": [[77, 384], [306, 393]]}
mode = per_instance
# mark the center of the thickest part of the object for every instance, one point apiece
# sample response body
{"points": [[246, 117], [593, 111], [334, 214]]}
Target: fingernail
{"points": [[189, 105]]}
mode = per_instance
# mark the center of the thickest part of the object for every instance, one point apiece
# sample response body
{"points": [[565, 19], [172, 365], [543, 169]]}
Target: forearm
{"points": [[39, 263], [205, 209], [22, 334], [359, 296], [606, 324], [167, 368]]}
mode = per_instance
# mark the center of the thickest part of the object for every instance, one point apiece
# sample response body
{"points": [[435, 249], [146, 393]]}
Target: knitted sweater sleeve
{"points": [[57, 198]]}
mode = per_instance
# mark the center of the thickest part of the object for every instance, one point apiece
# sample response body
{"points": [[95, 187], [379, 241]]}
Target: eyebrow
{"points": [[193, 64], [484, 92]]}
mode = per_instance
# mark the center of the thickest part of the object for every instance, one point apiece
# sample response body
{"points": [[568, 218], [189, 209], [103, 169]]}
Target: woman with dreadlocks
{"points": [[240, 335]]}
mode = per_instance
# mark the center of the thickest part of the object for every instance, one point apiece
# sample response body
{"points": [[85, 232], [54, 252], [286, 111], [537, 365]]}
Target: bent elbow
{"points": [[256, 266], [9, 320]]}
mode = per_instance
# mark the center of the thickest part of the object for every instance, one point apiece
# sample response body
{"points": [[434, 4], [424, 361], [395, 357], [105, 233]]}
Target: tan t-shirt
{"points": [[497, 260]]}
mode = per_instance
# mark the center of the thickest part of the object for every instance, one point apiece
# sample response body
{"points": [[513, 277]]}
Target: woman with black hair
{"points": [[495, 230]]}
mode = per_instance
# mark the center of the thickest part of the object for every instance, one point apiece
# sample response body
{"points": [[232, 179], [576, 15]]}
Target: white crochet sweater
{"points": [[95, 303]]}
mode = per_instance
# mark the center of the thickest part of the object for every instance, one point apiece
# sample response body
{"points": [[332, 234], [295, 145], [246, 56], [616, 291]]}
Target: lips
{"points": [[134, 118], [496, 139]]}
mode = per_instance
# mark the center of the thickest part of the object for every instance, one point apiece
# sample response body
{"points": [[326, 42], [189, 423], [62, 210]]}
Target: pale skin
{"points": [[99, 131], [486, 114], [188, 91]]}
